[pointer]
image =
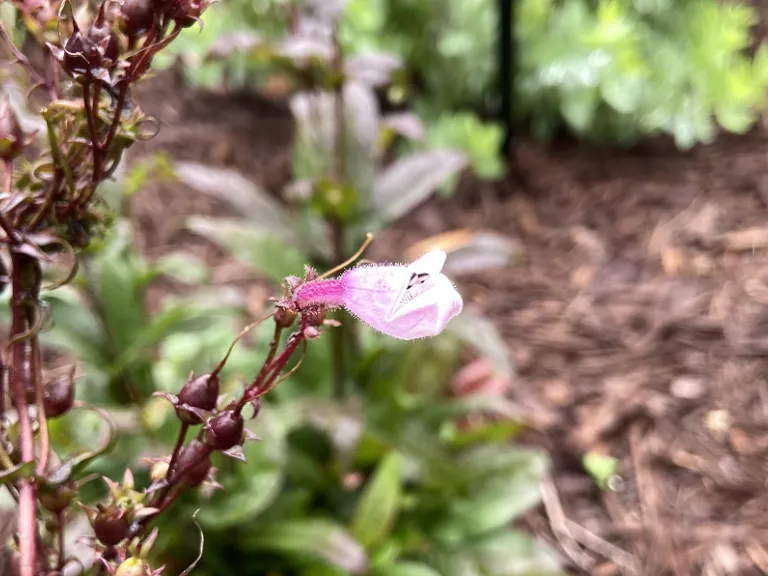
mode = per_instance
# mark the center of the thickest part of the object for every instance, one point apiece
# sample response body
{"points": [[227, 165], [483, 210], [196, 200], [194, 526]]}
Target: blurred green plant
{"points": [[365, 466], [609, 70], [621, 70]]}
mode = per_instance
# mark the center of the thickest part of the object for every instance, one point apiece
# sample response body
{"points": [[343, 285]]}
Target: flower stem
{"points": [[23, 269]]}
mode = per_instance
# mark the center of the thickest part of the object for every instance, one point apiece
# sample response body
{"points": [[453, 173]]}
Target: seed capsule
{"points": [[193, 464], [110, 527], [59, 396], [224, 431], [200, 392], [136, 17]]}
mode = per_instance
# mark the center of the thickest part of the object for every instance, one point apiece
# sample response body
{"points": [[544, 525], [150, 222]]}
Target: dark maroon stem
{"points": [[23, 267], [94, 135], [178, 447], [169, 475], [60, 529], [269, 372], [7, 183]]}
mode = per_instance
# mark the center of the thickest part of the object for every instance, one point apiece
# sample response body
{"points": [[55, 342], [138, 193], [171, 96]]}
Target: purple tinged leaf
{"points": [[486, 250], [145, 512], [372, 68], [405, 124], [411, 180], [237, 453]]}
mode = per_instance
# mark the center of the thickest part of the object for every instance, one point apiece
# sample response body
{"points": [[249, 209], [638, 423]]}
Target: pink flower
{"points": [[405, 302]]}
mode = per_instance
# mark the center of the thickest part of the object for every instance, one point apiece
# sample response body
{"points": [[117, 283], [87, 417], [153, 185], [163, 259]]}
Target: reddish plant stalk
{"points": [[23, 268]]}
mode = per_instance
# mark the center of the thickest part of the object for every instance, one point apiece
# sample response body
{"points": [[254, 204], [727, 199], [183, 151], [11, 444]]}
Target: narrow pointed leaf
{"points": [[380, 502], [410, 181], [24, 470]]}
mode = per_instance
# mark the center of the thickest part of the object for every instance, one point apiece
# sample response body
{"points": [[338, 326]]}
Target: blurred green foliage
{"points": [[383, 481], [620, 70], [609, 70]]}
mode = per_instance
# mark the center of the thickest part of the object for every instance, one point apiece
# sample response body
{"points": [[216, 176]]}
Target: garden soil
{"points": [[637, 317]]}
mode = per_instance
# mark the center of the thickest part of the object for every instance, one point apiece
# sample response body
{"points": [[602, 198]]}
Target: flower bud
{"points": [[11, 135], [314, 316], [188, 12], [158, 471], [193, 463], [136, 17], [284, 316], [224, 431], [200, 392], [110, 527], [81, 55], [58, 498], [101, 34], [59, 396], [132, 567]]}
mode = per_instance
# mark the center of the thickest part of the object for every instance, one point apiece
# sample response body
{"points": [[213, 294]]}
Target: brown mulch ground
{"points": [[638, 319]]}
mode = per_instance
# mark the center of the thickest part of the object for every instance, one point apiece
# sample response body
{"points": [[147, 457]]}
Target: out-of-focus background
{"points": [[601, 406]]}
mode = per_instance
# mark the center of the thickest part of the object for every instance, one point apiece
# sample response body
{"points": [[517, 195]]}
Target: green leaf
{"points": [[735, 117], [75, 327], [24, 470], [514, 553], [490, 432], [578, 107], [601, 467], [497, 506], [255, 247], [407, 569], [249, 199], [73, 466], [243, 506], [182, 266], [316, 538], [411, 180], [379, 504]]}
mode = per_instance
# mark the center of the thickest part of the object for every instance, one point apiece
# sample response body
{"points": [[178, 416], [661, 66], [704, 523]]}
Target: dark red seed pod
{"points": [[81, 55], [188, 12], [11, 139], [59, 396], [136, 17], [284, 316], [200, 392], [110, 527], [193, 464], [224, 431]]}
